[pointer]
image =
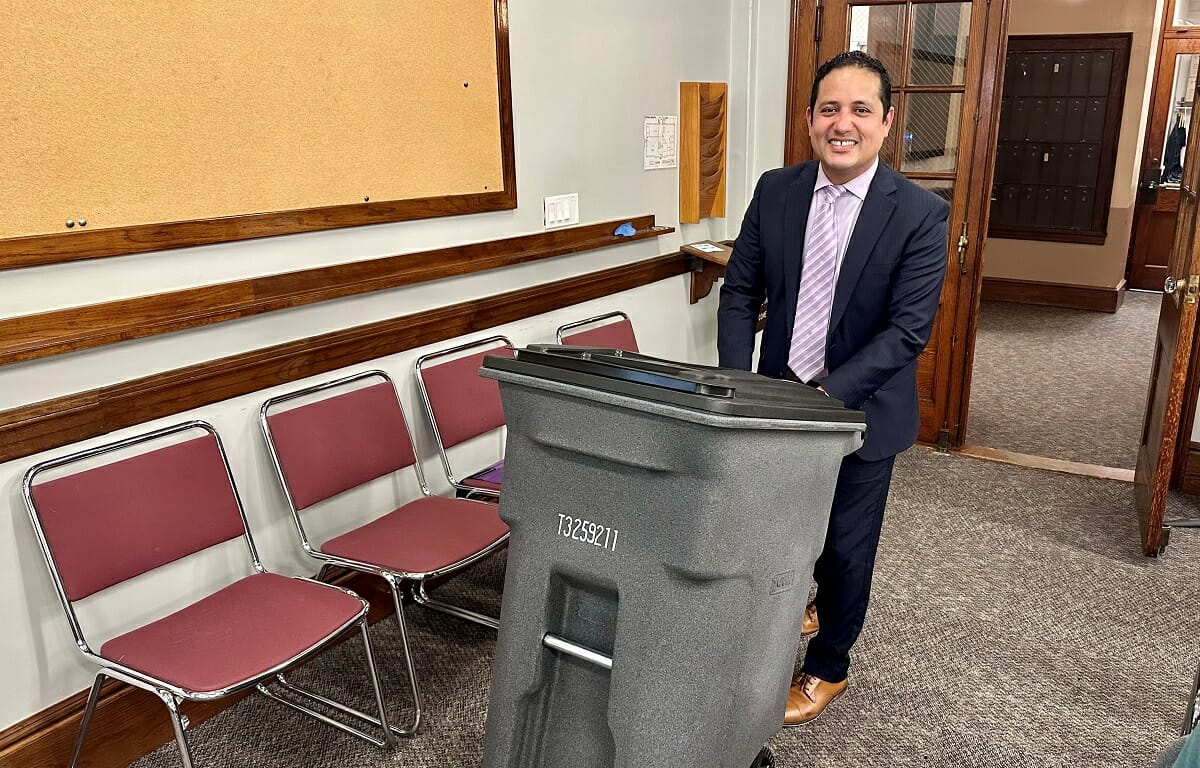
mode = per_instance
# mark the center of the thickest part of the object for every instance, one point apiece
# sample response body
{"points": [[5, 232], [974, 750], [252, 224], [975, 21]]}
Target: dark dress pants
{"points": [[843, 571]]}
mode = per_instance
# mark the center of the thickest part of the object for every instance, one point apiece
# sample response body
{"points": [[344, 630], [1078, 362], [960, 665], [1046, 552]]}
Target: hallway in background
{"points": [[1063, 383]]}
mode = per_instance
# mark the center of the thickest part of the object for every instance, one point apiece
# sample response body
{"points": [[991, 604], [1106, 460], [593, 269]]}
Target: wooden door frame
{"points": [[1152, 145], [1165, 403], [966, 324], [1187, 418], [802, 69], [1192, 384], [974, 208], [1166, 31]]}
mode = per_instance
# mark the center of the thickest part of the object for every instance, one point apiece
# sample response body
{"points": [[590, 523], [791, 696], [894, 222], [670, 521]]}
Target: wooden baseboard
{"points": [[130, 723], [1191, 470], [1054, 294]]}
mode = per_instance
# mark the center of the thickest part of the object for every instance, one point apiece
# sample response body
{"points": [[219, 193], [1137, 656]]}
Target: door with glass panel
{"points": [[945, 60], [1173, 352], [1157, 206]]}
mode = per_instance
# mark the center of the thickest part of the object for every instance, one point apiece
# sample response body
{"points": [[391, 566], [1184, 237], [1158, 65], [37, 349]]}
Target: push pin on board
{"points": [[70, 223]]}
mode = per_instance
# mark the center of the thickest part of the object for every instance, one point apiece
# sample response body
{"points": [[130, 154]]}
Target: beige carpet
{"points": [[1063, 383]]}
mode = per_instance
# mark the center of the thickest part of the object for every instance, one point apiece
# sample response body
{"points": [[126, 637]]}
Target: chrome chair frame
{"points": [[395, 580], [422, 361], [173, 695], [563, 330]]}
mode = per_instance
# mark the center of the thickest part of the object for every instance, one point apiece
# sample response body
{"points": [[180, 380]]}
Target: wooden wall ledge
{"points": [[29, 337], [708, 266], [49, 424]]}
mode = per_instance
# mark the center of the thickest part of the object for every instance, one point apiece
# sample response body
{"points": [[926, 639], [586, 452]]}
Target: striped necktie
{"points": [[815, 300]]}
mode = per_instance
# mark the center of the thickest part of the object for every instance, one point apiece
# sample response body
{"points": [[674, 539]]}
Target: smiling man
{"points": [[850, 257]]}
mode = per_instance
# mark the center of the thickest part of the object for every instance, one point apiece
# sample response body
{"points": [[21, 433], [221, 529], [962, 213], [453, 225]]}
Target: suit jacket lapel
{"points": [[876, 210], [795, 223]]}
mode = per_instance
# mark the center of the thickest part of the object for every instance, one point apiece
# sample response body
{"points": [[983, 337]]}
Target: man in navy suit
{"points": [[850, 257]]}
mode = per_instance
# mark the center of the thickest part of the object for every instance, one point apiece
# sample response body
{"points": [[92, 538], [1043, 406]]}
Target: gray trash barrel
{"points": [[664, 521]]}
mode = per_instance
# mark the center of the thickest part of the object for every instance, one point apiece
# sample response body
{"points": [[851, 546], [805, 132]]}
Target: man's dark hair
{"points": [[862, 61]]}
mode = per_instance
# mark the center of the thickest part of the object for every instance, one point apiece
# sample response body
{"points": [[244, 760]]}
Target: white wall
{"points": [[583, 76], [760, 59]]}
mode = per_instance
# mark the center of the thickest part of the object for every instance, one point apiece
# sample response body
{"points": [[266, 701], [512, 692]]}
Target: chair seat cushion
{"points": [[425, 535], [236, 634]]}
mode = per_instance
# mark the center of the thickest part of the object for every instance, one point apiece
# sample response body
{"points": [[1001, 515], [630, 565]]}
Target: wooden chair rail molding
{"points": [[40, 250], [30, 337], [48, 424]]}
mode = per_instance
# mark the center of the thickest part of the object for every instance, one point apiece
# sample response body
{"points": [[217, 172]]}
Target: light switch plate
{"points": [[561, 210]]}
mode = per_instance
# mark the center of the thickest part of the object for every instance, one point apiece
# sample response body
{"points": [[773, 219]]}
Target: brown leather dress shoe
{"points": [[808, 698], [811, 624]]}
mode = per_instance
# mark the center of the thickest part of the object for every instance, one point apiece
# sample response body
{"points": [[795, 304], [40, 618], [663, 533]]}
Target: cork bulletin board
{"points": [[147, 124]]}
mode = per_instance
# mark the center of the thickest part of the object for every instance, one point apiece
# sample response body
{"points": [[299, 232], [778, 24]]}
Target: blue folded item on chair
{"points": [[625, 230]]}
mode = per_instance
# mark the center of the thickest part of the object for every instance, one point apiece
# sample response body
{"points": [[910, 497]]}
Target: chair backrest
{"points": [[462, 404], [611, 331], [102, 525], [342, 437]]}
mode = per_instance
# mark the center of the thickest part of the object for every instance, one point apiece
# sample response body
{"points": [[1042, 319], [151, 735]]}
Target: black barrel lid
{"points": [[724, 391]]}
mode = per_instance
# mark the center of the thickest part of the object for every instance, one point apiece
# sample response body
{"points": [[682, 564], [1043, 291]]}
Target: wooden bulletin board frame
{"points": [[80, 243]]}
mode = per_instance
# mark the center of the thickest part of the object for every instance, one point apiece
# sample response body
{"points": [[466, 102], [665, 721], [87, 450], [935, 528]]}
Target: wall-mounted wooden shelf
{"points": [[707, 260]]}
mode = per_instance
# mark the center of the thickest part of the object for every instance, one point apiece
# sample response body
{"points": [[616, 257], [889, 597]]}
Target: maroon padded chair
{"points": [[330, 438], [610, 331], [462, 405], [160, 497]]}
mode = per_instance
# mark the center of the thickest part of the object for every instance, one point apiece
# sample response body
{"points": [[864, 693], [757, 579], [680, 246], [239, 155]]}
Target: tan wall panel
{"points": [[1096, 265], [143, 112], [1100, 266]]}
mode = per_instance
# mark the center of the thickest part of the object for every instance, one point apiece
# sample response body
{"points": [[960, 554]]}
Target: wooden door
{"points": [[1158, 189], [946, 63], [1172, 352]]}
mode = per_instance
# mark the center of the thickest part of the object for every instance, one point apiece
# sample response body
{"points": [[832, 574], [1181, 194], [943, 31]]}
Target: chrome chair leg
{"points": [[389, 731], [93, 697], [482, 494], [414, 687], [179, 723], [422, 597], [376, 687]]}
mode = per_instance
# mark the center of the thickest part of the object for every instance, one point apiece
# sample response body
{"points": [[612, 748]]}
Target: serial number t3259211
{"points": [[587, 532]]}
